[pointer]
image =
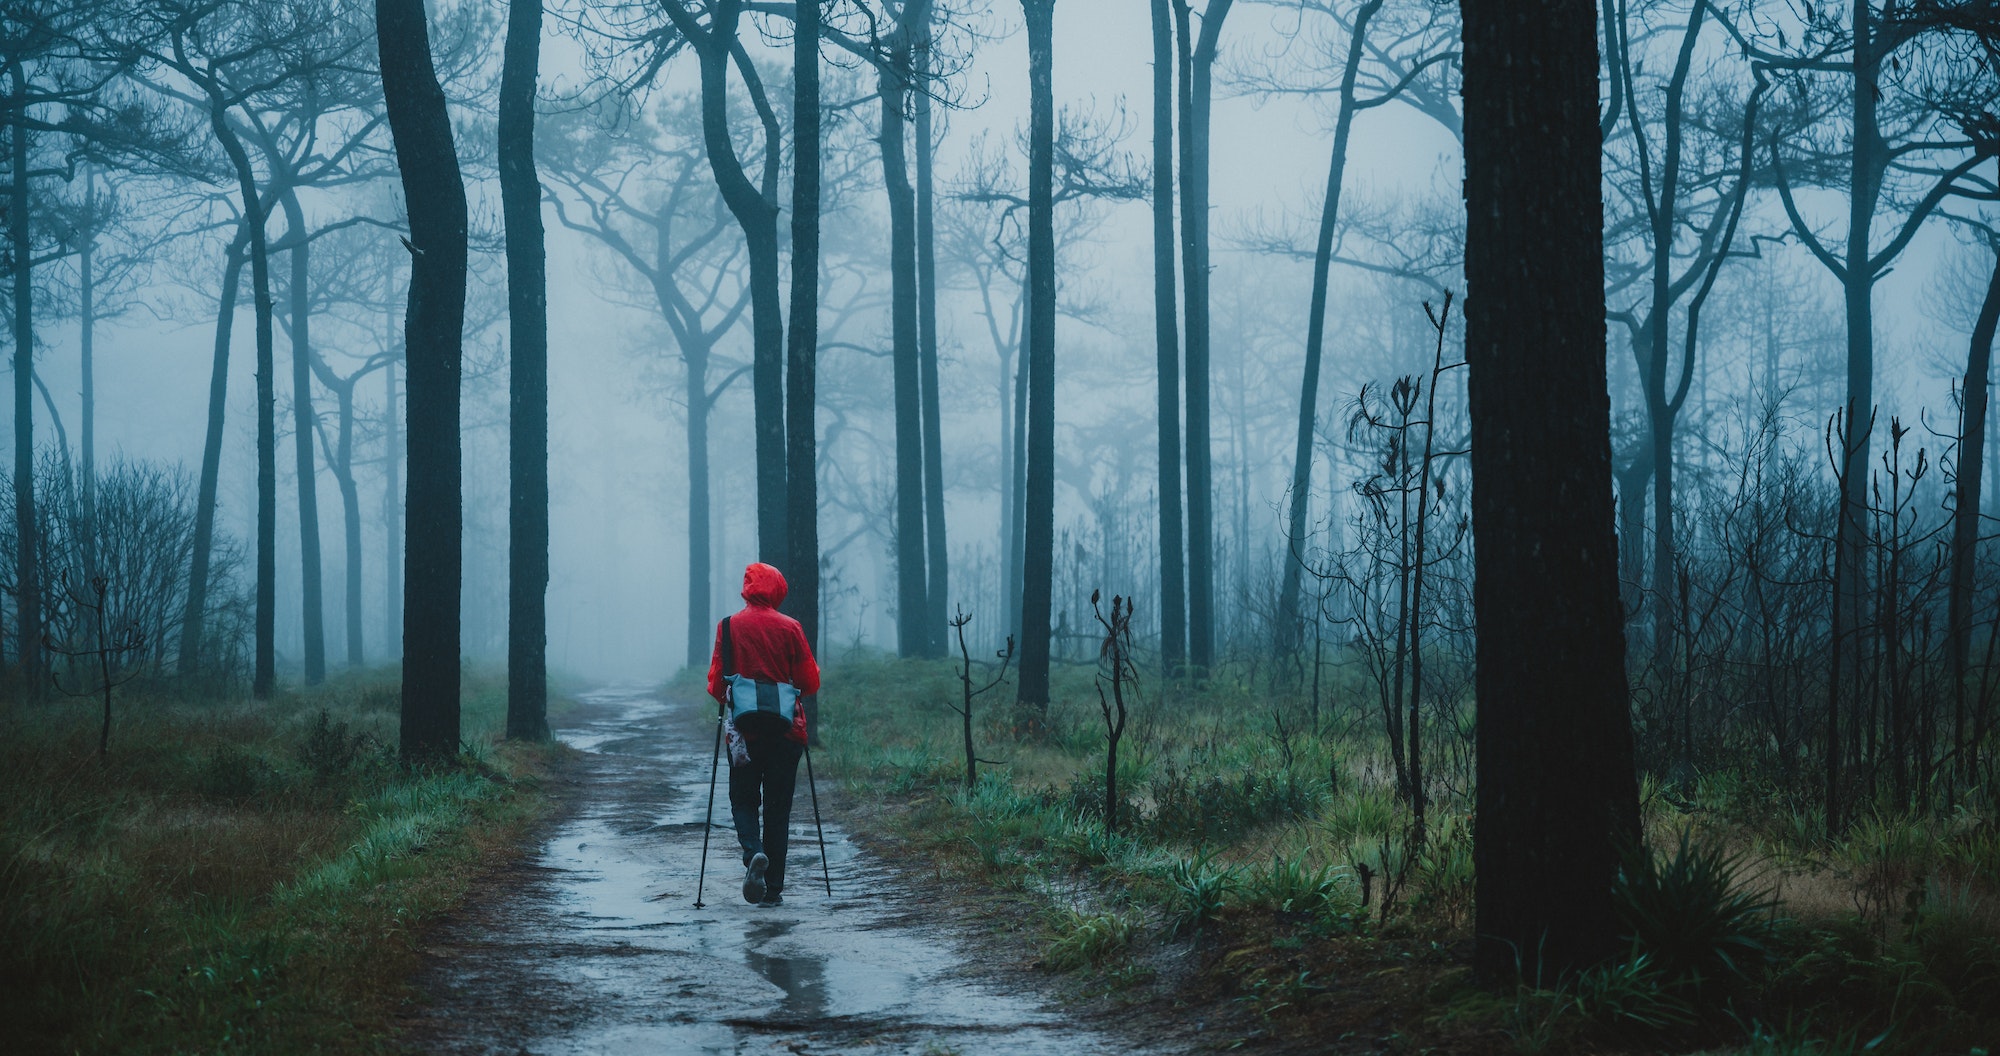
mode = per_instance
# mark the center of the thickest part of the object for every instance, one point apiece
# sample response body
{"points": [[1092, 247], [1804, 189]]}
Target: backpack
{"points": [[748, 697]]}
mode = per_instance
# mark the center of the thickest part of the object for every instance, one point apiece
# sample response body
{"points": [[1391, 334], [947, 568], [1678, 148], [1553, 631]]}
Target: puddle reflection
{"points": [[641, 971], [803, 979]]}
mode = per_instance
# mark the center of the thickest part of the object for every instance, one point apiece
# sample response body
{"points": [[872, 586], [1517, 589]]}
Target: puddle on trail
{"points": [[601, 950]]}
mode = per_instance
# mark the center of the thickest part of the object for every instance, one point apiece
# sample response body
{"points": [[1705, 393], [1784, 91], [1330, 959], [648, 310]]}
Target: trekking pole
{"points": [[708, 822], [814, 789]]}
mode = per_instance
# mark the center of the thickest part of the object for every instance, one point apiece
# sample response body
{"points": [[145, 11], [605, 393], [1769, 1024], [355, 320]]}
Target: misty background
{"points": [[618, 455]]}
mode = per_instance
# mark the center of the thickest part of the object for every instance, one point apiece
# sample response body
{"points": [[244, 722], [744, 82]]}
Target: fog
{"points": [[618, 452]]}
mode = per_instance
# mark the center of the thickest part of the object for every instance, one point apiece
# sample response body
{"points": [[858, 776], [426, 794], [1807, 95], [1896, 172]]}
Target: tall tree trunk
{"points": [[1858, 285], [392, 512], [913, 631], [767, 382], [1965, 516], [1631, 483], [264, 674], [1661, 410], [1557, 795], [1167, 341], [701, 559], [192, 617], [1197, 61], [802, 350], [1329, 222], [1038, 549], [341, 460], [27, 571], [528, 379], [1009, 572], [1992, 462], [756, 211], [86, 290], [938, 555], [314, 616], [1017, 511], [421, 129]]}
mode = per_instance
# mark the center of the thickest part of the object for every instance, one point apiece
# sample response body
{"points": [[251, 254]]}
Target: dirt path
{"points": [[595, 946]]}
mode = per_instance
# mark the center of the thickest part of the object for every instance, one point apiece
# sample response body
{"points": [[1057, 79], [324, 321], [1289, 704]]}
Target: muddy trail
{"points": [[594, 945]]}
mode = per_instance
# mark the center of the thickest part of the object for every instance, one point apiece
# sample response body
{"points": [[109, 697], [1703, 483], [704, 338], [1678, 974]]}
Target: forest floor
{"points": [[1005, 919], [593, 944], [234, 876]]}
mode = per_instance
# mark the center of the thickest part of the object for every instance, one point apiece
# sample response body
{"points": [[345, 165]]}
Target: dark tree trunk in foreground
{"points": [[918, 21], [528, 379], [436, 200], [311, 585], [1329, 222], [1556, 793], [1038, 544], [189, 660], [1197, 62], [913, 632], [27, 574], [1167, 340], [802, 349]]}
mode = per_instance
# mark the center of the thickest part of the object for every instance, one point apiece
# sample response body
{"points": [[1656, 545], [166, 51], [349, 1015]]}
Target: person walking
{"points": [[762, 673]]}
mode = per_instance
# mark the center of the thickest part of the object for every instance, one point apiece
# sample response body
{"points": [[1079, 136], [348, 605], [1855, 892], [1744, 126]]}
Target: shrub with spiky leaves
{"points": [[1199, 893], [1291, 885], [1691, 915], [1086, 941]]}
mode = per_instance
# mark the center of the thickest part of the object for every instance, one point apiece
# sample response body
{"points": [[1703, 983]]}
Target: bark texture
{"points": [[1556, 795]]}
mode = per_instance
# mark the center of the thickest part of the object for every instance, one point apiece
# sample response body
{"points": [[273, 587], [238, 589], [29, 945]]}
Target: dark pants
{"points": [[770, 776]]}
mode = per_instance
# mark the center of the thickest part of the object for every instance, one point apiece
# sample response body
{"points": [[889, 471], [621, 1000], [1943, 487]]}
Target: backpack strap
{"points": [[728, 649]]}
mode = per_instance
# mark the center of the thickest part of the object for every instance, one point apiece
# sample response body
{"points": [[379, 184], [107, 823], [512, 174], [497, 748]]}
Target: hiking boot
{"points": [[771, 900], [753, 878]]}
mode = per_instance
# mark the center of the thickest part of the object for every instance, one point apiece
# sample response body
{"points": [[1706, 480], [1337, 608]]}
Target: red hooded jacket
{"points": [[767, 643]]}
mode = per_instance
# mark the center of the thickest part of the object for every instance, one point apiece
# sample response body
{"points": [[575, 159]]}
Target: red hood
{"points": [[764, 585]]}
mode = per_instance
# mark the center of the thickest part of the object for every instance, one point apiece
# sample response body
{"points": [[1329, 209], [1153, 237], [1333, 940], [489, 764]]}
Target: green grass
{"points": [[1085, 940], [1244, 839], [238, 877]]}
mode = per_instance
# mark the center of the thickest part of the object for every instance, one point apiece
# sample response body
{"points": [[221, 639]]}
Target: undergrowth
{"points": [[1267, 872], [236, 876]]}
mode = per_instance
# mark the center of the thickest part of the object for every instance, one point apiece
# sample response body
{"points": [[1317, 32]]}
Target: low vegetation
{"points": [[234, 876], [1264, 882]]}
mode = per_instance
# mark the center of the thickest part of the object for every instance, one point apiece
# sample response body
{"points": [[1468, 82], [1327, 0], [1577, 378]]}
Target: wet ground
{"points": [[595, 946]]}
